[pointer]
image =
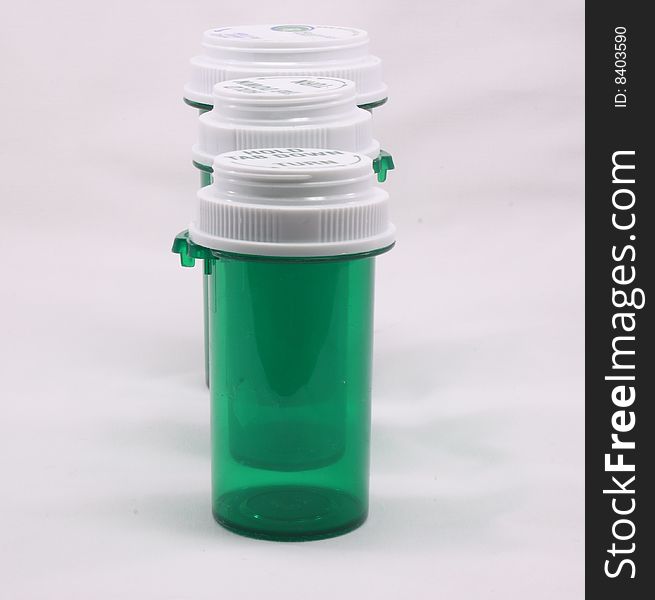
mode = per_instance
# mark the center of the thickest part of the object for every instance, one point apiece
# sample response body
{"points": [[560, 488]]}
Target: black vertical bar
{"points": [[620, 130]]}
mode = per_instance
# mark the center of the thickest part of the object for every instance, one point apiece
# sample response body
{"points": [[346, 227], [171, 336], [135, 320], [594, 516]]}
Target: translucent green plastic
{"points": [[290, 396], [371, 105], [382, 164], [202, 108], [205, 180], [290, 370]]}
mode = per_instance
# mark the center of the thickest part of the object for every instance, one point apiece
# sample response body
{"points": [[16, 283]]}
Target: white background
{"points": [[477, 456]]}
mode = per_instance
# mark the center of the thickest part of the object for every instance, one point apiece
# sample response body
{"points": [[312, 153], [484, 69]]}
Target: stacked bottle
{"points": [[288, 222], [264, 112], [259, 50], [283, 111]]}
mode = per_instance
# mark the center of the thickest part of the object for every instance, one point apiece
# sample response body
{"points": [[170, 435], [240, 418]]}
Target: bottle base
{"points": [[289, 513]]}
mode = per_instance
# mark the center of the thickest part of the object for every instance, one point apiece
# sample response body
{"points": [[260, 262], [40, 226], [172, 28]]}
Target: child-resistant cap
{"points": [[293, 202], [284, 112], [260, 50]]}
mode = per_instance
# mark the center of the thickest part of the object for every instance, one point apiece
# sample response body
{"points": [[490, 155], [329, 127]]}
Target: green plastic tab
{"points": [[371, 105], [203, 108], [382, 164], [189, 251]]}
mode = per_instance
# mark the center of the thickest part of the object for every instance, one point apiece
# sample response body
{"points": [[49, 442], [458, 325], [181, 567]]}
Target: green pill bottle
{"points": [[286, 111], [242, 52], [290, 236]]}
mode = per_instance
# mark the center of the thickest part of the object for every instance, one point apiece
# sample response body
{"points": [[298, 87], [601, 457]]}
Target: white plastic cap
{"points": [[284, 112], [293, 202], [262, 50]]}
